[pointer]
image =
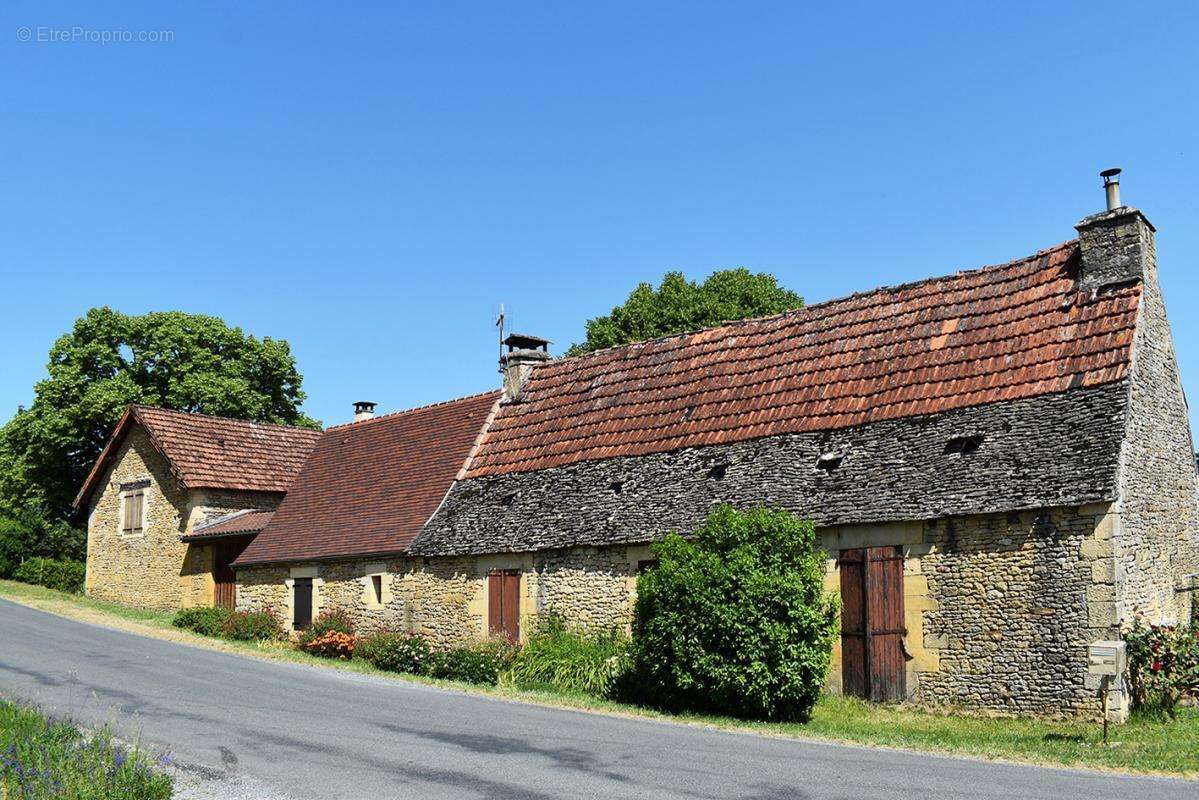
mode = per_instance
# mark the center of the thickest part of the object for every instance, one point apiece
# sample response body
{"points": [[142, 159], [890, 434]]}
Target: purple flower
{"points": [[118, 758]]}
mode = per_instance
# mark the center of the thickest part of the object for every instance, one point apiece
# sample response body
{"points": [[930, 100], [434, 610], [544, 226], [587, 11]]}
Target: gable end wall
{"points": [[1158, 544]]}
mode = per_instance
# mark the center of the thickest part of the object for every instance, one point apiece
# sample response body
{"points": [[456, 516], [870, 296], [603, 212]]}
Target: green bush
{"points": [[26, 533], [251, 626], [1163, 665], [44, 758], [65, 576], [554, 657], [204, 621], [333, 621], [14, 549], [481, 662], [396, 652], [735, 621]]}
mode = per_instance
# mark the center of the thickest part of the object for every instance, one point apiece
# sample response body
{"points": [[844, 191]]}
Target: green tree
{"points": [[679, 305], [186, 362], [735, 620]]}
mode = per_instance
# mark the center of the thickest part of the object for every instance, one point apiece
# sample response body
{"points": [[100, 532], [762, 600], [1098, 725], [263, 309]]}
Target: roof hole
{"points": [[829, 461], [964, 445], [616, 486], [717, 472], [507, 500]]}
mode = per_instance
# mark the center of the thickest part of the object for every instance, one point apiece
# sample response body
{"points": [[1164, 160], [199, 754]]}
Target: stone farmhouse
{"points": [[165, 493], [999, 463]]}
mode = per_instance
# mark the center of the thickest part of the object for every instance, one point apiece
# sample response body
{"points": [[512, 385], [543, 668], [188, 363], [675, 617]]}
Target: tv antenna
{"points": [[499, 323]]}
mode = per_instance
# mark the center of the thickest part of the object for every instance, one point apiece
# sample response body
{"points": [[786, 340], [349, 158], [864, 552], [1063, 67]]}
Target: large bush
{"points": [[206, 621], [396, 652], [251, 626], [65, 576], [1163, 665], [481, 662], [735, 620], [555, 657], [25, 534]]}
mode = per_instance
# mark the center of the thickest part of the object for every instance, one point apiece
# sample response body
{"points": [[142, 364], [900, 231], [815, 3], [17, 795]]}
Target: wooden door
{"points": [[223, 577], [503, 603], [301, 616], [873, 662]]}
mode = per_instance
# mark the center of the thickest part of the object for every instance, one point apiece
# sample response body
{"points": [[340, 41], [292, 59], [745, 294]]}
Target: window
{"points": [[133, 503], [646, 565], [377, 589], [302, 605]]}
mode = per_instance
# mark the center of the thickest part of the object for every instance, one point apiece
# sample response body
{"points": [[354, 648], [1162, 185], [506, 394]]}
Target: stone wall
{"points": [[141, 570], [445, 599], [1158, 543], [1031, 456], [999, 608], [154, 569], [195, 574]]}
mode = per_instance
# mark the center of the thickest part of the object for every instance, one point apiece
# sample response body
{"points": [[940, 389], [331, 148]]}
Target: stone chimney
{"points": [[524, 354], [1117, 244], [364, 409]]}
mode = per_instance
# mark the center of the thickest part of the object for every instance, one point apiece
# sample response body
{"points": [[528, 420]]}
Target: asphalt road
{"points": [[292, 730]]}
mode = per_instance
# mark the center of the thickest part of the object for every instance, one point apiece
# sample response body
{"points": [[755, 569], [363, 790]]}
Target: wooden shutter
{"points": [[302, 605], [127, 517], [137, 511], [853, 623], [884, 596], [873, 663], [503, 603]]}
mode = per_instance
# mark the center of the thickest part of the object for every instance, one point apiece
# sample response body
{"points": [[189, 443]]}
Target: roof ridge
{"points": [[805, 309], [425, 407], [255, 423]]}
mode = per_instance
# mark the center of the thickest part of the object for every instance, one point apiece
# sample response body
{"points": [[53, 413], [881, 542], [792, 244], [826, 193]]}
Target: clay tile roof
{"points": [[214, 452], [230, 525], [369, 487], [999, 333]]}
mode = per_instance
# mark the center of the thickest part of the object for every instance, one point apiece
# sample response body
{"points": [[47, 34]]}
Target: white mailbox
{"points": [[1106, 658]]}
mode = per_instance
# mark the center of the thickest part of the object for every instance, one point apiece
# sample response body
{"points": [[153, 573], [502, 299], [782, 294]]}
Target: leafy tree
{"points": [[679, 305], [735, 620], [186, 362]]}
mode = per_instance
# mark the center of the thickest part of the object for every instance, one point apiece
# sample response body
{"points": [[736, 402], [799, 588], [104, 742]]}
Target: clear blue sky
{"points": [[371, 182]]}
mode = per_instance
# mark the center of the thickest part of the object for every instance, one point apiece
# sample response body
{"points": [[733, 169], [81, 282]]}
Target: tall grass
{"points": [[558, 658], [43, 758]]}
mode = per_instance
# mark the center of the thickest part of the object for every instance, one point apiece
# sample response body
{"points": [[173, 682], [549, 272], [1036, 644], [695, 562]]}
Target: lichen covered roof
{"points": [[1000, 333]]}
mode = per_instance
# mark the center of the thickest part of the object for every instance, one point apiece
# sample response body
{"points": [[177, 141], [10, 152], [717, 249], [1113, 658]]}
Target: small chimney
{"points": [[1111, 185], [364, 409], [524, 354], [1117, 244]]}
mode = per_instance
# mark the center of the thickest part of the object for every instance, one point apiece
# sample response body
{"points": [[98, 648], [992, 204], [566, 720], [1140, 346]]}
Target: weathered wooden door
{"points": [[223, 578], [873, 663], [301, 616], [503, 603]]}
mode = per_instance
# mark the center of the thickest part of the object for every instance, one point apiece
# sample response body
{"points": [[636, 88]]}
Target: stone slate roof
{"points": [[370, 486], [206, 452], [996, 334], [241, 522]]}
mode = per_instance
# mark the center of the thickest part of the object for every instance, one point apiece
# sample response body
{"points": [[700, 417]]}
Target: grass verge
{"points": [[47, 758], [1141, 746]]}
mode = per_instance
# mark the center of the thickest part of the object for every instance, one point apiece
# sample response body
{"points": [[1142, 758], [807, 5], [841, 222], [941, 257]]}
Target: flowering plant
{"points": [[1163, 664], [331, 644]]}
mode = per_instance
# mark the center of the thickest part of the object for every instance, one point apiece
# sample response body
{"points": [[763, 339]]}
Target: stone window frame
{"points": [[368, 599], [124, 490], [290, 583]]}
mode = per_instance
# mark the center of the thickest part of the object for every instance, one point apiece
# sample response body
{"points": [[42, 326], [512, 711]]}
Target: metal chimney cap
{"points": [[364, 406], [1109, 174]]}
